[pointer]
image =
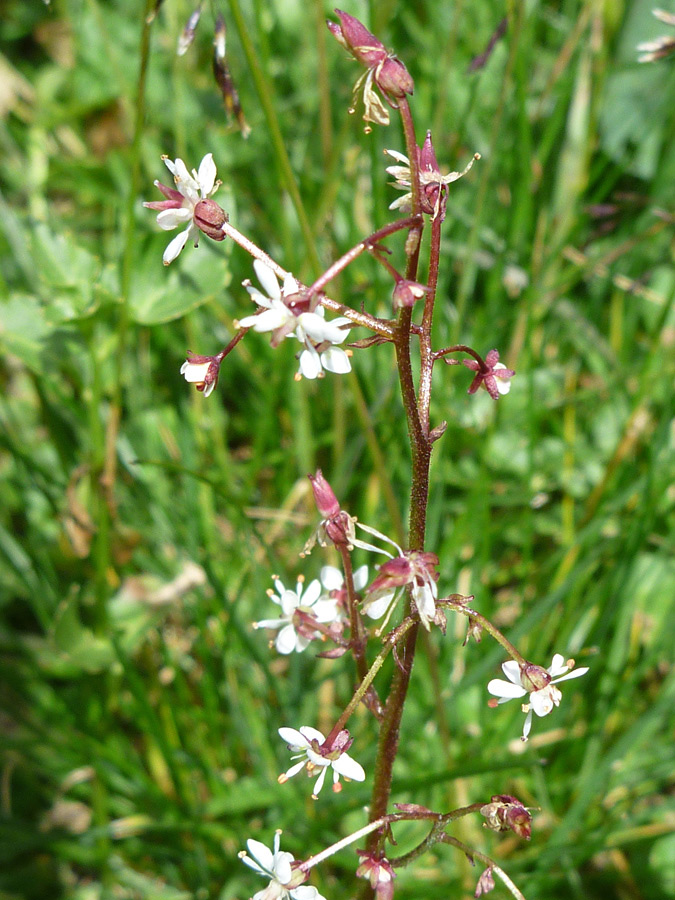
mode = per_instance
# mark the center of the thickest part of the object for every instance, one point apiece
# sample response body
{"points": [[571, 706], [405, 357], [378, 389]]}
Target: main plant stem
{"points": [[420, 446]]}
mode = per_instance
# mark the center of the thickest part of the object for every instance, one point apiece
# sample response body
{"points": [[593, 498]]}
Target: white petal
{"points": [[194, 372], [527, 725], [286, 640], [262, 855], [377, 608], [312, 734], [331, 578], [268, 320], [336, 360], [294, 738], [208, 390], [349, 768], [543, 701], [318, 784], [312, 593], [267, 278], [282, 866], [575, 673], [207, 174], [317, 328], [271, 623], [512, 671], [310, 364], [325, 610], [506, 689], [168, 219], [557, 666], [175, 246], [305, 892], [398, 156], [258, 297], [185, 183], [294, 769], [291, 286], [361, 578]]}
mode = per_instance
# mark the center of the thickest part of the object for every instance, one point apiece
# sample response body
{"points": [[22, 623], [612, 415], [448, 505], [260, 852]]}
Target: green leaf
{"points": [[198, 276], [23, 327]]}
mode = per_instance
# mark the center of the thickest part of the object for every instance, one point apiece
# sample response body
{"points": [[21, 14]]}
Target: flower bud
{"points": [[326, 501], [534, 678], [209, 217], [393, 78], [355, 37], [407, 292]]}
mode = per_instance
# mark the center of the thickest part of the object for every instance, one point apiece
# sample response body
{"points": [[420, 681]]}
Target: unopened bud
{"points": [[393, 78], [326, 501], [355, 37], [209, 217], [407, 292], [534, 678]]}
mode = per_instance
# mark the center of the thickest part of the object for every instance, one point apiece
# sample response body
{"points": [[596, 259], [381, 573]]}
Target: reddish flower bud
{"points": [[407, 292], [355, 37], [393, 78], [209, 218], [534, 678], [326, 500]]}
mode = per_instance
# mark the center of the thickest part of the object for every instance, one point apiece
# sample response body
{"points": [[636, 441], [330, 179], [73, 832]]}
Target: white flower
{"points": [[202, 371], [308, 745], [300, 608], [277, 866], [539, 683], [283, 314], [429, 177], [179, 207]]}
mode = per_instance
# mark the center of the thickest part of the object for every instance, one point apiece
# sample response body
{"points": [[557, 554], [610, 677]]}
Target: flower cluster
{"points": [[384, 70], [286, 877], [189, 203], [434, 185], [304, 610], [285, 312], [539, 683], [316, 753]]}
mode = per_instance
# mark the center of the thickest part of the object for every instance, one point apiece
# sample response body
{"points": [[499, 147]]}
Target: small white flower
{"points": [[522, 680], [202, 371], [277, 866], [428, 177], [179, 207], [310, 328], [311, 603], [308, 745]]}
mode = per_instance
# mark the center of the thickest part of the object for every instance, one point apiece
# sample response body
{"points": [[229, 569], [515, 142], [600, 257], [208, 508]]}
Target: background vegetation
{"points": [[140, 523]]}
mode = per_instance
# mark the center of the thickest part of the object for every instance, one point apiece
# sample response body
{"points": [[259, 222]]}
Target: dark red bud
{"points": [[534, 678], [326, 501], [354, 35], [427, 157], [393, 78], [209, 218]]}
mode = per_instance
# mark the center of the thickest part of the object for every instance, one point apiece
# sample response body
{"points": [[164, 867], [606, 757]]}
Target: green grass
{"points": [[554, 507]]}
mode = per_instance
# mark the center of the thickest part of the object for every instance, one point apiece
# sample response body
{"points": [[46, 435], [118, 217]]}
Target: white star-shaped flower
{"points": [[275, 864], [179, 207], [300, 608], [539, 683], [308, 745], [284, 316]]}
